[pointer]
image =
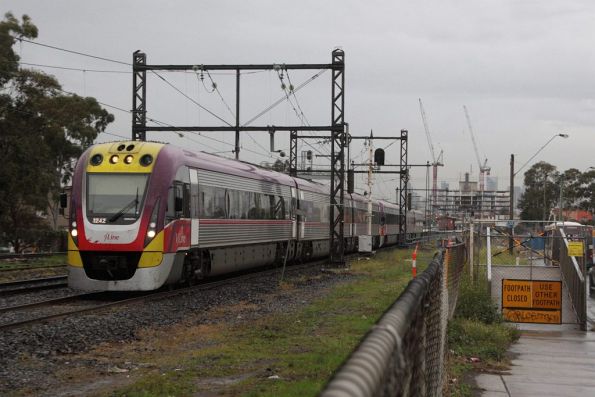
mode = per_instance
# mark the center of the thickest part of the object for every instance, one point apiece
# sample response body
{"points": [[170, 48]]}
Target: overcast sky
{"points": [[524, 69]]}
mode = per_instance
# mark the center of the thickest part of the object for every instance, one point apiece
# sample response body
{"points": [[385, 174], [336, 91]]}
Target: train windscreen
{"points": [[115, 198]]}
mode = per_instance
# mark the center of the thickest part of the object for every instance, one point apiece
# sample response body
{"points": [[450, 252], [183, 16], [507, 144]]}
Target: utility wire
{"points": [[75, 69], [291, 90], [112, 134], [190, 98], [71, 51], [216, 89], [287, 95], [154, 121], [122, 63], [288, 91], [171, 85], [283, 98]]}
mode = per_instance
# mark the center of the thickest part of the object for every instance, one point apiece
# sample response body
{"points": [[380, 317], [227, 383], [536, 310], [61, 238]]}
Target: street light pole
{"points": [[511, 207], [540, 149], [513, 173]]}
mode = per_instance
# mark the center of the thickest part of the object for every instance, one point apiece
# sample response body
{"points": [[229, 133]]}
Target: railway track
{"points": [[37, 284], [54, 309]]}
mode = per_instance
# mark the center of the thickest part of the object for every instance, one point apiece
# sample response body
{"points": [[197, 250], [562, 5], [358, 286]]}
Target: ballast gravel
{"points": [[30, 356]]}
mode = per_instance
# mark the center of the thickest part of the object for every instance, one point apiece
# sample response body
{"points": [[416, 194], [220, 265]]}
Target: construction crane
{"points": [[436, 161], [484, 170]]}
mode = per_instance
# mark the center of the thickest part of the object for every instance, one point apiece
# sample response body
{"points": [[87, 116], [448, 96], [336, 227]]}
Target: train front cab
{"points": [[118, 239]]}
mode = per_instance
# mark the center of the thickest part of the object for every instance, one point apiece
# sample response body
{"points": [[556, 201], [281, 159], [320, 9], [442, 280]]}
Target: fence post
{"points": [[414, 262], [489, 258], [489, 254], [471, 248]]}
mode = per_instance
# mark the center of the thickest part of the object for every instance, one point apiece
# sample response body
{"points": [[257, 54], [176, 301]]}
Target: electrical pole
{"points": [[511, 206], [370, 167]]}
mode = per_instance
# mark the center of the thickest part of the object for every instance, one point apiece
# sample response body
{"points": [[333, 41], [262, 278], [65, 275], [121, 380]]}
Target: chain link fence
{"points": [[404, 353], [532, 251]]}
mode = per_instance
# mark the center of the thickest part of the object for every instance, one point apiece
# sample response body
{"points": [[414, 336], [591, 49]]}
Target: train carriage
{"points": [[146, 214]]}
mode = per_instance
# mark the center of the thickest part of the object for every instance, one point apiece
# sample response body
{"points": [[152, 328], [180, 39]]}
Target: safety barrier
{"points": [[574, 273], [404, 353]]}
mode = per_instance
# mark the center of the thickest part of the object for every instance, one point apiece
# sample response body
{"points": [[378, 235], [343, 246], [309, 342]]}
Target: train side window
{"points": [[234, 202], [178, 201], [278, 207], [186, 200], [219, 210]]}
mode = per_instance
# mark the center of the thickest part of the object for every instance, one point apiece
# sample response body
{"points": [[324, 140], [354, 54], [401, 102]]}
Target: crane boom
{"points": [[435, 161], [424, 119], [473, 137], [484, 169]]}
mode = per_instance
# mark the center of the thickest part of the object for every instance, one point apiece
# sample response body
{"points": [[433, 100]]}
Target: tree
{"points": [[587, 188], [42, 131], [572, 192], [541, 191]]}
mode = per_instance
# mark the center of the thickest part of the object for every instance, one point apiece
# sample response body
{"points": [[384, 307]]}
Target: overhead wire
{"points": [[287, 95], [283, 98], [156, 122], [122, 63], [215, 88], [289, 91], [71, 51], [303, 84], [75, 69]]}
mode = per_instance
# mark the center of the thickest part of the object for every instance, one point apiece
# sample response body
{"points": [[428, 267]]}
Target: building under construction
{"points": [[469, 201]]}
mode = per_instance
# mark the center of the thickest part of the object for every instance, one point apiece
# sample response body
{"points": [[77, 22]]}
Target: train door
{"points": [[301, 216], [382, 224], [294, 216], [194, 207]]}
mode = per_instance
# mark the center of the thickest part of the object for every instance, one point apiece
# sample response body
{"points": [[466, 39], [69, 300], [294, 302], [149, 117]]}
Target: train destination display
{"points": [[532, 301]]}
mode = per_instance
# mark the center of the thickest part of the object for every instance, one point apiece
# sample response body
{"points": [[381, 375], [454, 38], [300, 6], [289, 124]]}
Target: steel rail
{"points": [[17, 287], [147, 297]]}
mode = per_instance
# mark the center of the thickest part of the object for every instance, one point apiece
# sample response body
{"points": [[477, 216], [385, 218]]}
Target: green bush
{"points": [[486, 341], [475, 303]]}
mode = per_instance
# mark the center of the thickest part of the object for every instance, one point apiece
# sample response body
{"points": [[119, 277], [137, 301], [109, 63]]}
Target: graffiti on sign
{"points": [[532, 301], [533, 316]]}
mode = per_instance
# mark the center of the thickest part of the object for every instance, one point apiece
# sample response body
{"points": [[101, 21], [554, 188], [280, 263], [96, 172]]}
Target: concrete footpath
{"points": [[547, 360]]}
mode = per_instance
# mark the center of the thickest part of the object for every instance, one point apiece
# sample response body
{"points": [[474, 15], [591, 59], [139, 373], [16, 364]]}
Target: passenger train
{"points": [[147, 214]]}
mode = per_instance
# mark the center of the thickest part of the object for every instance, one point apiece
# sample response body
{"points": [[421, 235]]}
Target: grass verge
{"points": [[477, 339], [288, 354]]}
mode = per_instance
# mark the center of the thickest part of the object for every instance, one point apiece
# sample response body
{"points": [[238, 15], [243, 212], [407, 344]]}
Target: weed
{"points": [[477, 337], [288, 354]]}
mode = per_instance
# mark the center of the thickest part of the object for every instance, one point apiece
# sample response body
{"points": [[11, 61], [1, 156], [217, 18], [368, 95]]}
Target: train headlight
{"points": [[152, 229], [114, 159], [74, 233], [128, 159]]}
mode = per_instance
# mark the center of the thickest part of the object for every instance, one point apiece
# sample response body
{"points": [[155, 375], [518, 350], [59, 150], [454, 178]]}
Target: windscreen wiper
{"points": [[126, 208]]}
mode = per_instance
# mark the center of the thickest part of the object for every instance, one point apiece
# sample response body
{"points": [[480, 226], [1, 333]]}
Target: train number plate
{"points": [[99, 220]]}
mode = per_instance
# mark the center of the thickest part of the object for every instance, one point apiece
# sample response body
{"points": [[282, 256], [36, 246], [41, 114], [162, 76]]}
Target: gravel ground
{"points": [[36, 296], [30, 357]]}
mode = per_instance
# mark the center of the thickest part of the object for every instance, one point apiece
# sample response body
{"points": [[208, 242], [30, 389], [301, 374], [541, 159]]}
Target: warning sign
{"points": [[532, 301], [546, 295], [575, 248], [516, 293]]}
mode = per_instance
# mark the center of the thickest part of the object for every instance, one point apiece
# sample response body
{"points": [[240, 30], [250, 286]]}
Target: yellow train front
{"points": [[120, 200]]}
